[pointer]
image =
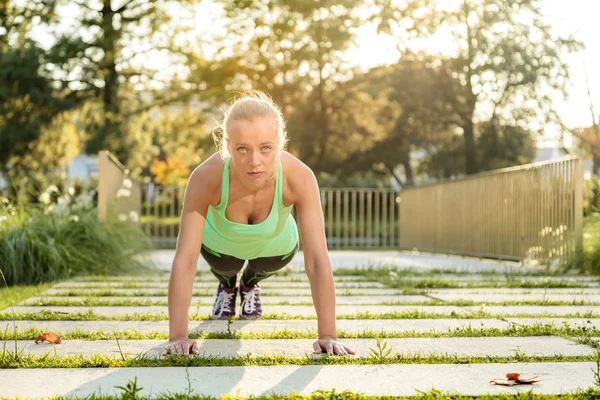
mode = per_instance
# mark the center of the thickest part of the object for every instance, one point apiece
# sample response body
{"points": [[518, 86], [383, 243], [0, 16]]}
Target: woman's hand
{"points": [[181, 346], [331, 346]]}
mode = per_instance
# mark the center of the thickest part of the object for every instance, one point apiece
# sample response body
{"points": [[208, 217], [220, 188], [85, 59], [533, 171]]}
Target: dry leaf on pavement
{"points": [[514, 379], [49, 337]]}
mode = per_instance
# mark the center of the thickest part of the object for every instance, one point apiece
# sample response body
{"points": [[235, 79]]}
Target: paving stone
{"points": [[352, 326], [206, 310], [210, 285], [295, 277], [265, 299], [371, 380], [213, 291], [535, 310], [498, 298], [558, 322], [461, 347], [512, 291], [163, 259]]}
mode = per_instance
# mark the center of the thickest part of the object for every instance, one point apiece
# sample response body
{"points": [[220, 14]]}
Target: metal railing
{"points": [[534, 211], [118, 195], [354, 218]]}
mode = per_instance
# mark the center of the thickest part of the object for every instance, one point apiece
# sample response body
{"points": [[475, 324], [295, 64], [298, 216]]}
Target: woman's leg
{"points": [[224, 267], [263, 267], [257, 270]]}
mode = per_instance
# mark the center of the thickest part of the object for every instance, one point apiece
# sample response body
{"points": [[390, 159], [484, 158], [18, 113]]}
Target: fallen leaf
{"points": [[505, 382], [49, 337], [535, 379], [514, 379]]}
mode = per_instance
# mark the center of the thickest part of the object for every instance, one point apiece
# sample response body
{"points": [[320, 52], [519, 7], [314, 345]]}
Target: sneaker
{"points": [[250, 306], [225, 302]]}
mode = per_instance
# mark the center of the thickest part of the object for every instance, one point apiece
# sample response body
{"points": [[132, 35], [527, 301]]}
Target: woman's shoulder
{"points": [[296, 174], [207, 177]]}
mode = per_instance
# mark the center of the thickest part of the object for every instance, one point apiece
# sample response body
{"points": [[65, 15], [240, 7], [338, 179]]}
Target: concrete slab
{"points": [[207, 277], [351, 326], [535, 310], [206, 310], [499, 298], [213, 291], [590, 323], [553, 291], [461, 347], [400, 259], [371, 380], [210, 285], [209, 300]]}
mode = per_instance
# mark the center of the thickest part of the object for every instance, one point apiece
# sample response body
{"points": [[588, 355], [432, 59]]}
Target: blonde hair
{"points": [[250, 105]]}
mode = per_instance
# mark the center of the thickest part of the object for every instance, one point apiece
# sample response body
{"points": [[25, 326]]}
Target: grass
{"points": [[90, 315], [81, 292], [132, 302], [587, 259], [43, 245], [9, 360], [15, 294], [396, 284], [393, 278], [131, 391], [536, 329]]}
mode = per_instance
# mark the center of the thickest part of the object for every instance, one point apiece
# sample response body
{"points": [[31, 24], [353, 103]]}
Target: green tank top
{"points": [[275, 236]]}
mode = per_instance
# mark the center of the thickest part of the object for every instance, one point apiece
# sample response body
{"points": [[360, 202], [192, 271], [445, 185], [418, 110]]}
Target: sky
{"points": [[580, 17]]}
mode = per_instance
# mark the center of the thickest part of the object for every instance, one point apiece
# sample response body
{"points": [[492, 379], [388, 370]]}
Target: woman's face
{"points": [[254, 147]]}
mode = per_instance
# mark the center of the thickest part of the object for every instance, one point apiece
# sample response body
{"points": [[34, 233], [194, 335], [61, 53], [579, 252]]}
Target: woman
{"points": [[237, 207]]}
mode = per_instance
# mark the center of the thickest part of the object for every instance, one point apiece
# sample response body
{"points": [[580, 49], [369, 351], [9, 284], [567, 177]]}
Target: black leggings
{"points": [[226, 267]]}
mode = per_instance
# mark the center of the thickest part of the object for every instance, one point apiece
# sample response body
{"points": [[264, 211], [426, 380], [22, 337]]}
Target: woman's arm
{"points": [[316, 261], [189, 242]]}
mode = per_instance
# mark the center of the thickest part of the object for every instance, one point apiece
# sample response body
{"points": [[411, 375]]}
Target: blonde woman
{"points": [[237, 207]]}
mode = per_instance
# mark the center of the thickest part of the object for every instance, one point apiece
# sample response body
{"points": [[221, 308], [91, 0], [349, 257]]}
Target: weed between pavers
{"points": [[130, 392], [90, 315], [99, 302], [537, 329], [381, 355]]}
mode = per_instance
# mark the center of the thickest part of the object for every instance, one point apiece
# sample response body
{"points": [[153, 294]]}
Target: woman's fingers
{"points": [[184, 347], [339, 349], [317, 347], [329, 348]]}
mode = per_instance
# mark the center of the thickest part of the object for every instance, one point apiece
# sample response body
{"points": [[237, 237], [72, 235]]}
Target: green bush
{"points": [[591, 195], [587, 259], [63, 239]]}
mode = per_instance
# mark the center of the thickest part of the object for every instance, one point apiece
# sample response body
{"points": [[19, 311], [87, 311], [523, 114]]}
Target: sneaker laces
{"points": [[222, 304], [250, 300]]}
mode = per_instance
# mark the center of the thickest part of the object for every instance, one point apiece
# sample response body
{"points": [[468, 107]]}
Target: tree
{"points": [[590, 136], [294, 50], [111, 45], [30, 99], [506, 64], [412, 115]]}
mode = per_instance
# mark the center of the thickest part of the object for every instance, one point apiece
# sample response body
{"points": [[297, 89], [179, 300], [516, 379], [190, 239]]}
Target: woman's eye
{"points": [[242, 149], [266, 148]]}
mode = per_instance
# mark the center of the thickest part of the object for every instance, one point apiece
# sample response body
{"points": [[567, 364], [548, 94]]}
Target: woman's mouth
{"points": [[255, 173]]}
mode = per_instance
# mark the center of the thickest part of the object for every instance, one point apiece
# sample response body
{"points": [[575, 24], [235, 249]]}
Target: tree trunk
{"points": [[394, 174], [322, 109], [470, 156], [408, 171], [110, 99]]}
